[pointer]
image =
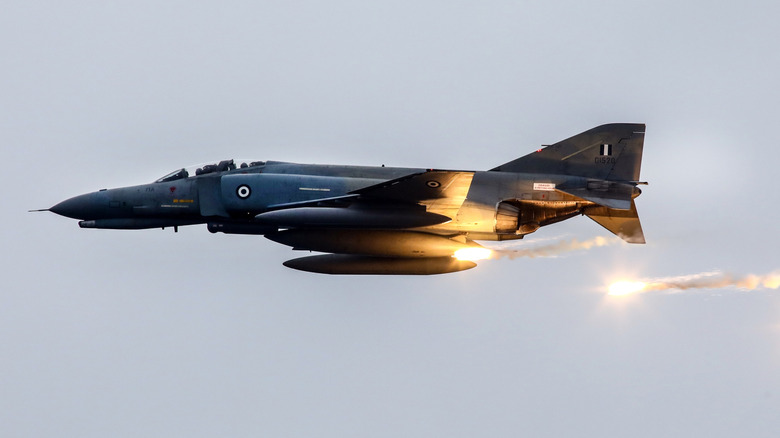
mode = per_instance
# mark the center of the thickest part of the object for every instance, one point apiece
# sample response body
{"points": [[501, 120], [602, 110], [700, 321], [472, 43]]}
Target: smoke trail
{"points": [[554, 249], [706, 280]]}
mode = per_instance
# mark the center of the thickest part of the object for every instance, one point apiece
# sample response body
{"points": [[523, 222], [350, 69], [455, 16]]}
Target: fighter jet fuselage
{"points": [[388, 220]]}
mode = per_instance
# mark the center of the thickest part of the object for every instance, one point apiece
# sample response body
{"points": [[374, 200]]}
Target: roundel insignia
{"points": [[433, 184], [243, 191]]}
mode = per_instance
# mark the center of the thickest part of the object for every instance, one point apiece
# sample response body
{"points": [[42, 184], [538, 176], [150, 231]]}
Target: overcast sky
{"points": [[151, 333]]}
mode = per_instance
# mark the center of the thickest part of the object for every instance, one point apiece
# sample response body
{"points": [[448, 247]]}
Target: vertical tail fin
{"points": [[609, 157], [608, 152]]}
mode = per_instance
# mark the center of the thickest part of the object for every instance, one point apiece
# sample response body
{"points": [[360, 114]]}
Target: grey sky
{"points": [[152, 333]]}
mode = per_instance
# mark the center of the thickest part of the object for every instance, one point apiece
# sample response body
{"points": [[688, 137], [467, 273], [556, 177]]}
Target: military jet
{"points": [[389, 220]]}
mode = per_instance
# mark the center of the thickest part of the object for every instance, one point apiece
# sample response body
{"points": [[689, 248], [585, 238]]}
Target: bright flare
{"points": [[626, 287], [473, 254], [705, 280]]}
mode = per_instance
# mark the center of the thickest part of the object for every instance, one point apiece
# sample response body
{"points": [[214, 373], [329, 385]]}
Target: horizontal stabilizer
{"points": [[609, 194], [623, 223]]}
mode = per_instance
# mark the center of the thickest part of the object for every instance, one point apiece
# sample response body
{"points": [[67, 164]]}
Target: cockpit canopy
{"points": [[222, 166], [176, 174]]}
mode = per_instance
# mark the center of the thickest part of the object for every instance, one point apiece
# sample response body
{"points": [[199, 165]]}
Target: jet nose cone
{"points": [[79, 207]]}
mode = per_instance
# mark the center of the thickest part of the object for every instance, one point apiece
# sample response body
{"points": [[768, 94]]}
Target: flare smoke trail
{"points": [[706, 280], [555, 249]]}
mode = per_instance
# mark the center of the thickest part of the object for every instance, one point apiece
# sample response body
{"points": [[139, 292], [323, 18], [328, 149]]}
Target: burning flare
{"points": [[706, 280], [626, 287]]}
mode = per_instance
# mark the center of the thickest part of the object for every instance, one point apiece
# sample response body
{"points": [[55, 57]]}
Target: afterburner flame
{"points": [[473, 254], [626, 287]]}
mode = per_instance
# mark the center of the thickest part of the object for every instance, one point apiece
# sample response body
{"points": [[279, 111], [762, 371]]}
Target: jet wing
{"points": [[440, 191], [433, 184]]}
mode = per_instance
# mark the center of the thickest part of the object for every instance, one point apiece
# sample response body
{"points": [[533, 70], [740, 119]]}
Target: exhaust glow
{"points": [[473, 254]]}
